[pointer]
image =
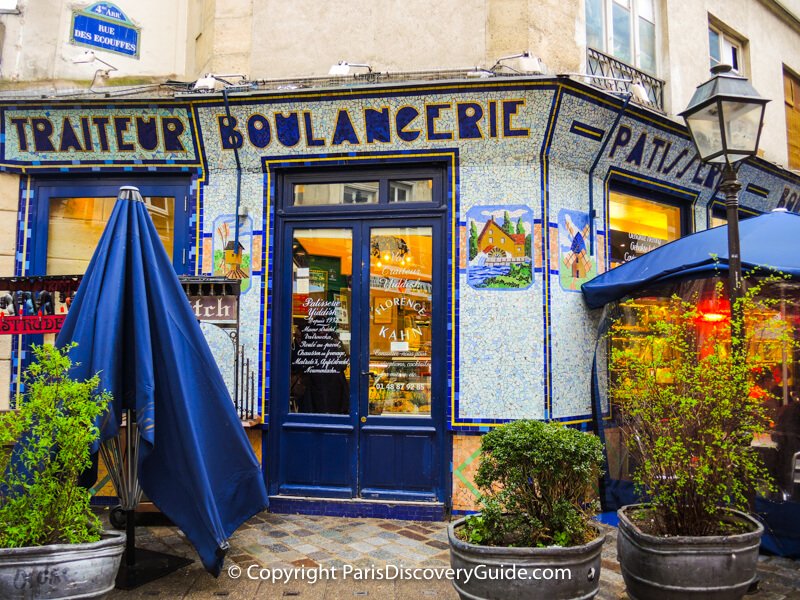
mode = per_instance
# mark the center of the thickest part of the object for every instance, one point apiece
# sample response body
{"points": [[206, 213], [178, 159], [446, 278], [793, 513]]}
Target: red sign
{"points": [[35, 324]]}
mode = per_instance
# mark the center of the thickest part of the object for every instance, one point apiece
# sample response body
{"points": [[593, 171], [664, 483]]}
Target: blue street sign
{"points": [[106, 27]]}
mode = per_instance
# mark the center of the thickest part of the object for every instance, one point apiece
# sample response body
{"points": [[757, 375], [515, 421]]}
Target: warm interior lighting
{"points": [[713, 310]]}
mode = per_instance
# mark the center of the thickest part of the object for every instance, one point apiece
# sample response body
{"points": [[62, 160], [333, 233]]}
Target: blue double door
{"points": [[359, 343]]}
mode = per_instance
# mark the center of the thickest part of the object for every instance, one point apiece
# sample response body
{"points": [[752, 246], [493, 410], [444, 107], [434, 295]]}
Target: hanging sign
{"points": [[102, 25], [33, 324]]}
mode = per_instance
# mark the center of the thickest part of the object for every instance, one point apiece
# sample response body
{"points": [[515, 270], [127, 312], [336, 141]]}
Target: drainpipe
{"points": [[238, 176], [594, 166]]}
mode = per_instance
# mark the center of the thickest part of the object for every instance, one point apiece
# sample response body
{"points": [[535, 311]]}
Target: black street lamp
{"points": [[725, 117]]}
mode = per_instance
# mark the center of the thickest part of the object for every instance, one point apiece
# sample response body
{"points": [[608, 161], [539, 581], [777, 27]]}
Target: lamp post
{"points": [[724, 117]]}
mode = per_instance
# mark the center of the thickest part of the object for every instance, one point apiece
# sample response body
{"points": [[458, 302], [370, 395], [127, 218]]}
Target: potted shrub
{"points": [[689, 413], [534, 537], [52, 545]]}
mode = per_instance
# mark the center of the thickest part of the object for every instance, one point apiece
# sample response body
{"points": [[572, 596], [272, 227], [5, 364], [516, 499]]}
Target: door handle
{"points": [[363, 419]]}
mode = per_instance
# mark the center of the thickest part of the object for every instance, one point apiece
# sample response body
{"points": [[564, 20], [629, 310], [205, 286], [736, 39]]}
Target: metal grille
{"points": [[608, 73]]}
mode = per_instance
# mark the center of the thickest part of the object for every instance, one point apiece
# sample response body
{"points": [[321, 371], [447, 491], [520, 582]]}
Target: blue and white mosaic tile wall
{"points": [[518, 353], [499, 170]]}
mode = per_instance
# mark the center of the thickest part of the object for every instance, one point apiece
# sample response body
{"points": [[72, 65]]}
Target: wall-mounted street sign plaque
{"points": [[104, 26]]}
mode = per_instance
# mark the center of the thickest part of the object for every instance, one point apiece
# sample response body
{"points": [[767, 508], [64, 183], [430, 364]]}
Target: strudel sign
{"points": [[33, 324]]}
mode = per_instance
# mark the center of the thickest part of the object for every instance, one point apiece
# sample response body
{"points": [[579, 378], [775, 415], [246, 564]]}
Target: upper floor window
{"points": [[724, 48], [625, 29], [791, 100]]}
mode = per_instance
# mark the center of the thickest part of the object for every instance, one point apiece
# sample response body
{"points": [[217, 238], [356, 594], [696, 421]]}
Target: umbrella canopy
{"points": [[770, 241], [133, 324]]}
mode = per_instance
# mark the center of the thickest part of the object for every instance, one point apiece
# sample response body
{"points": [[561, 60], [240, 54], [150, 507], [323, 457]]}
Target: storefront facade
{"points": [[411, 254]]}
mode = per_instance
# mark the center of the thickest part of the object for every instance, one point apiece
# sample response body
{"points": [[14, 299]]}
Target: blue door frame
{"points": [[46, 189], [357, 455]]}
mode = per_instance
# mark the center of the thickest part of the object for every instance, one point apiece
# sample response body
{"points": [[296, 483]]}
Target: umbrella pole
{"points": [[130, 513], [130, 542], [140, 566]]}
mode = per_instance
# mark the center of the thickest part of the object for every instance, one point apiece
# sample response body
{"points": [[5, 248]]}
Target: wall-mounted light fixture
{"points": [[88, 57], [343, 68], [208, 82], [526, 63]]}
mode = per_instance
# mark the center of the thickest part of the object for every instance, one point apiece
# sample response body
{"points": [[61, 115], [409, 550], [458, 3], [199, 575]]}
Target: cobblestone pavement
{"points": [[293, 541]]}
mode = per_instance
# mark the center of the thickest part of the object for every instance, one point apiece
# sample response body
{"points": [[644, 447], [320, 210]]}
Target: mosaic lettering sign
{"points": [[144, 135], [436, 122]]}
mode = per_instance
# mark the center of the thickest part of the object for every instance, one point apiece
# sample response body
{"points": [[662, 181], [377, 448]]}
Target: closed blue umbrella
{"points": [[134, 326]]}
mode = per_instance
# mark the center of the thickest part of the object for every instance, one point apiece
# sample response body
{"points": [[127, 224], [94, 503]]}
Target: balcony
{"points": [[610, 74]]}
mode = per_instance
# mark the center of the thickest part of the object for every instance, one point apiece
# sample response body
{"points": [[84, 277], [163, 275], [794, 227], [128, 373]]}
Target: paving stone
{"points": [[305, 544]]}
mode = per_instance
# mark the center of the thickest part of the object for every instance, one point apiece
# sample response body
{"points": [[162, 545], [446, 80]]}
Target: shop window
{"points": [[70, 216], [624, 29], [637, 224], [791, 98], [717, 215], [75, 225], [411, 191], [725, 48], [371, 188], [775, 371]]}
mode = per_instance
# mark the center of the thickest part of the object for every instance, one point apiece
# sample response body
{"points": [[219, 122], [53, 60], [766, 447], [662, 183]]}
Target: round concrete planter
{"points": [[61, 571], [500, 573], [682, 567]]}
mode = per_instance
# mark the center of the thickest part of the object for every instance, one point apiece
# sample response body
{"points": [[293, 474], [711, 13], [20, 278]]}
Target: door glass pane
{"points": [[354, 192], [76, 224], [400, 297], [411, 191], [322, 271]]}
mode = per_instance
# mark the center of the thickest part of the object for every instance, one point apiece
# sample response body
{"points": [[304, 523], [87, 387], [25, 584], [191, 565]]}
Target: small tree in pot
{"points": [[688, 413], [534, 537], [52, 545]]}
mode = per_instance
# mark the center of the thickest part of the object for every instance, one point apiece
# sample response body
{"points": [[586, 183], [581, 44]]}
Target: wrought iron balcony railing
{"points": [[608, 73]]}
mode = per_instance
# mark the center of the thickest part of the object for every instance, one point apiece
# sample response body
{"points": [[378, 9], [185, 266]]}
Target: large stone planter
{"points": [[499, 573], [680, 568], [61, 571]]}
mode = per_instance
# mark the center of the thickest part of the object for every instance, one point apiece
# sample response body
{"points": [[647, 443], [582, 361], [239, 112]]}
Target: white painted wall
{"points": [[772, 43], [36, 46]]}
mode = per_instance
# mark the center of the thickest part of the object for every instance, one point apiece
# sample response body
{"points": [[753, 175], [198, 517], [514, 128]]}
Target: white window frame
{"points": [[727, 42], [608, 32]]}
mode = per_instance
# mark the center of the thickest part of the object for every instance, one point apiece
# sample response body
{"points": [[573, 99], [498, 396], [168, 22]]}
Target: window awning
{"points": [[770, 241]]}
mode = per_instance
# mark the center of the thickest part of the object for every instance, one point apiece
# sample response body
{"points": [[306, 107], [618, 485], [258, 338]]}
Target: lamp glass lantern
{"points": [[724, 117]]}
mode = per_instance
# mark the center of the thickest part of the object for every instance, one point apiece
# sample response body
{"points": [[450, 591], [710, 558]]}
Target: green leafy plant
{"points": [[535, 480], [47, 441], [688, 410]]}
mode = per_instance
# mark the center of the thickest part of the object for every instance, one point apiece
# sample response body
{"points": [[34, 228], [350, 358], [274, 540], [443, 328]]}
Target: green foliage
{"points": [[520, 227], [53, 429], [519, 276], [687, 408], [508, 224], [535, 479], [473, 240]]}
